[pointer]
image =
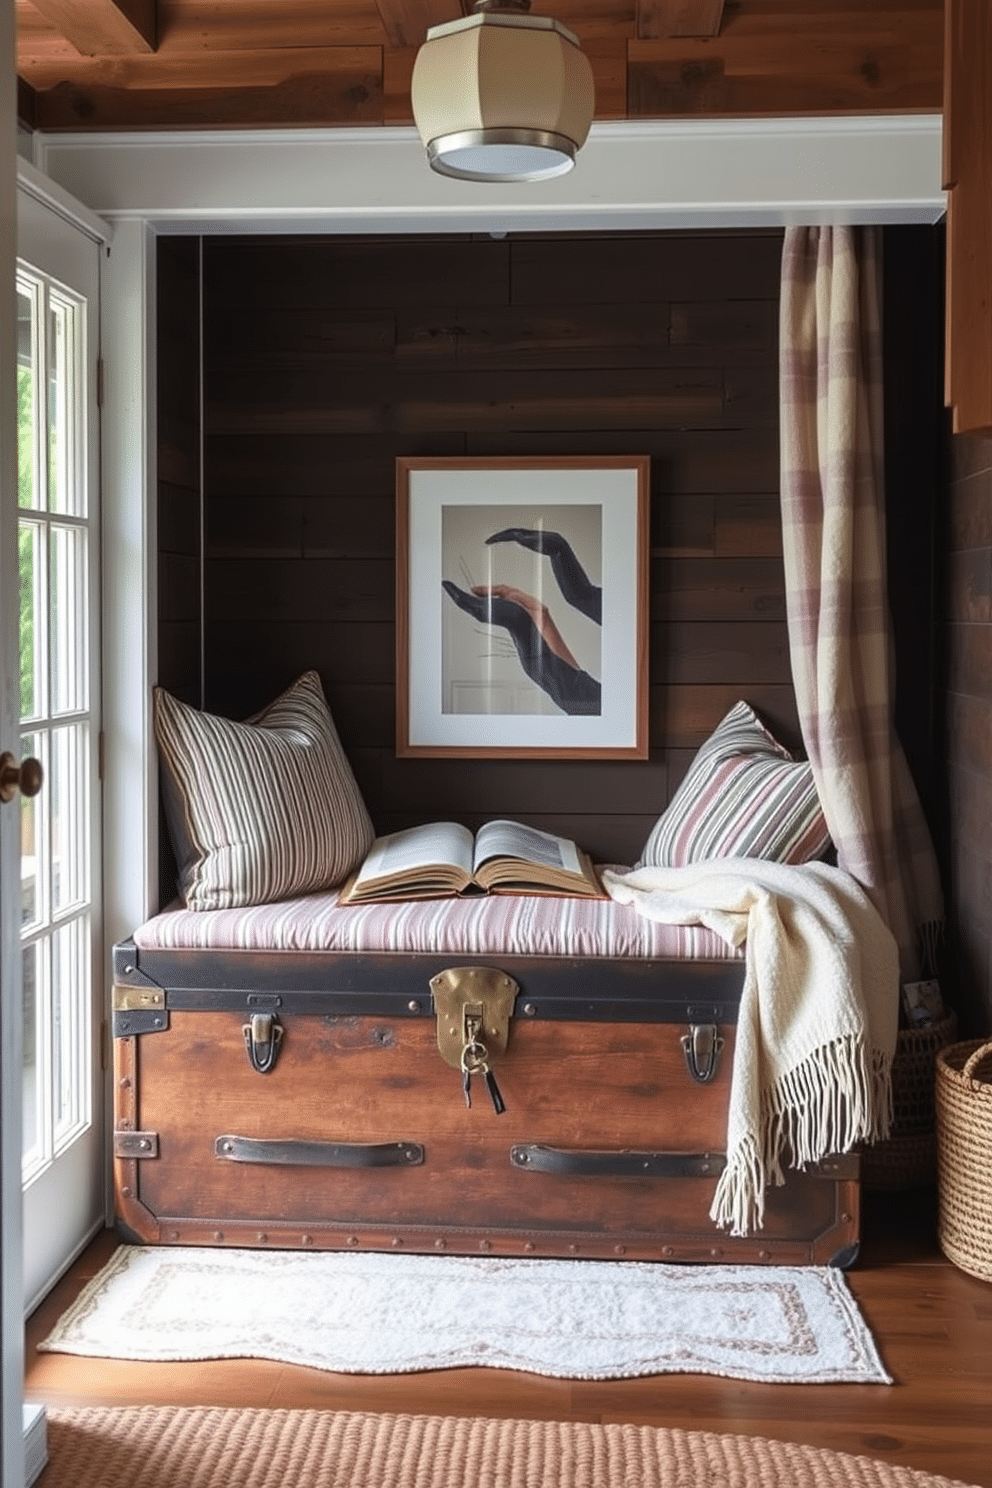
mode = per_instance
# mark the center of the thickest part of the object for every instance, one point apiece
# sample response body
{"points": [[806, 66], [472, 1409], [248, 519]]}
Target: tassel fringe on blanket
{"points": [[818, 1015]]}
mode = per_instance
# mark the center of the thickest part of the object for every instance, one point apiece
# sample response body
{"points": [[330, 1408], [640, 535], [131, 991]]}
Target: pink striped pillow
{"points": [[745, 796]]}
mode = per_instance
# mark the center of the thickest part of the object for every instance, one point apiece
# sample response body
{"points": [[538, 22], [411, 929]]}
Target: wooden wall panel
{"points": [[180, 627], [966, 702], [178, 376], [328, 358]]}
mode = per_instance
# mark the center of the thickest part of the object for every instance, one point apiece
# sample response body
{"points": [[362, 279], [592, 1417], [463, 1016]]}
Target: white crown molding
{"points": [[42, 189], [648, 174]]}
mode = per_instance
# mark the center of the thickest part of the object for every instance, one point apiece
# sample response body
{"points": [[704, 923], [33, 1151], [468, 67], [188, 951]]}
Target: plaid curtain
{"points": [[833, 519]]}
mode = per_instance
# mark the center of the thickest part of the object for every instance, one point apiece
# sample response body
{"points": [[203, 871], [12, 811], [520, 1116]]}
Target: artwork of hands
{"points": [[568, 571], [540, 646]]}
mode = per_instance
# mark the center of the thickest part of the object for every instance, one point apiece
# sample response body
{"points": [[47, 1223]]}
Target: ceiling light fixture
{"points": [[502, 95]]}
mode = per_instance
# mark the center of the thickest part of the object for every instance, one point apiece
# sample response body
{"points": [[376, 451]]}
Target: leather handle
{"points": [[291, 1153], [590, 1164]]}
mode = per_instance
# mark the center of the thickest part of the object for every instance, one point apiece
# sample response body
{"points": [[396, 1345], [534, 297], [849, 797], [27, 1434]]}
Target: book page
{"points": [[514, 840], [418, 847]]}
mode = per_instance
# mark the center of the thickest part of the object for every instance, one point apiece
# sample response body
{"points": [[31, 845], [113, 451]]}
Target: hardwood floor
{"points": [[933, 1325]]}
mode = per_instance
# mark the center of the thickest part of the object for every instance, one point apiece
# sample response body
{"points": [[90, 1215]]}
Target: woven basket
{"points": [[908, 1156], [964, 1155]]}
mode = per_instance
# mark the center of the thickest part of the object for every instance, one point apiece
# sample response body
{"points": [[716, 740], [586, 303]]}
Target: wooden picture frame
{"points": [[521, 607]]}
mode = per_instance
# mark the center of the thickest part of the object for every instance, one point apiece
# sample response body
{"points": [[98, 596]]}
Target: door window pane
{"points": [[70, 1027], [68, 805], [32, 1143], [66, 493], [27, 396], [31, 537], [69, 631], [34, 839]]}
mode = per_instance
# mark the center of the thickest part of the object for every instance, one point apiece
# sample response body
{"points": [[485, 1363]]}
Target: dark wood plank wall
{"points": [[325, 359], [179, 620], [915, 439], [966, 703]]}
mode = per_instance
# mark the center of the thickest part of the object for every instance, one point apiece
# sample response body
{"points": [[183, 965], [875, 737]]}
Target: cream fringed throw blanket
{"points": [[818, 1015]]}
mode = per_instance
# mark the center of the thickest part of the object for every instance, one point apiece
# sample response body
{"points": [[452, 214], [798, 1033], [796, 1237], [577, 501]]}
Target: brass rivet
{"points": [[764, 1255], [396, 1242], [218, 1235], [621, 1250], [485, 1245], [262, 1237], [668, 1250], [845, 1219], [126, 1192], [144, 1144], [574, 1249], [352, 1240], [125, 1083], [307, 1239], [528, 1245], [440, 1244], [716, 1252], [174, 1235]]}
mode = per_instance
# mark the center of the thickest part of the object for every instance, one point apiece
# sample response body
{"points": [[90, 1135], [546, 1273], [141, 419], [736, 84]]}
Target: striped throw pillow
{"points": [[259, 810], [744, 797]]}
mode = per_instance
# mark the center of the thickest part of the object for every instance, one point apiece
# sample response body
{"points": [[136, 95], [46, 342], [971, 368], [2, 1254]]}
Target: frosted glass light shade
{"points": [[502, 97]]}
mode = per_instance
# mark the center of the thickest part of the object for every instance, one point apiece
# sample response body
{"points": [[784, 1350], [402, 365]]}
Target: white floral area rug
{"points": [[369, 1313]]}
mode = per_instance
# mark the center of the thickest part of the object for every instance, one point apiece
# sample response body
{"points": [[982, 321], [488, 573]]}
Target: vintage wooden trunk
{"points": [[295, 1099]]}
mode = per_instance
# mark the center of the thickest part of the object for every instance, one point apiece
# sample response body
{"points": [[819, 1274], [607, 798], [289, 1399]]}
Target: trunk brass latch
{"points": [[474, 1005]]}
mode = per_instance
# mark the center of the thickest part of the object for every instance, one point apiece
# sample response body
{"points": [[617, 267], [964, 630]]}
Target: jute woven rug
{"points": [[371, 1313], [158, 1447]]}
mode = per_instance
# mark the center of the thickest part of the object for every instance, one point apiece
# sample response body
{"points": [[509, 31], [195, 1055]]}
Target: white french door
{"points": [[63, 1162]]}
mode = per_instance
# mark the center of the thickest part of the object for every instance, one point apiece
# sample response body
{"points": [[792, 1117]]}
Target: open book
{"points": [[443, 858]]}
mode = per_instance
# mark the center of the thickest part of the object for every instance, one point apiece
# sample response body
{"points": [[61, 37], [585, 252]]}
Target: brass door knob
{"points": [[25, 777]]}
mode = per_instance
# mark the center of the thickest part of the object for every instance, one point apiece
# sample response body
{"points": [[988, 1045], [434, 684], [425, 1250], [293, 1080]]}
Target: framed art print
{"points": [[521, 607]]}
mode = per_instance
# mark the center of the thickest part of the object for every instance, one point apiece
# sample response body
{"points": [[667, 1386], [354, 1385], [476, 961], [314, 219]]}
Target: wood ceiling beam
{"points": [[103, 28], [332, 85], [406, 21], [660, 18], [885, 62]]}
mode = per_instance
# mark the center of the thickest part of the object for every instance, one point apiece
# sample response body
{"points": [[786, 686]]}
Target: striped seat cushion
{"points": [[489, 925], [259, 810], [745, 796]]}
